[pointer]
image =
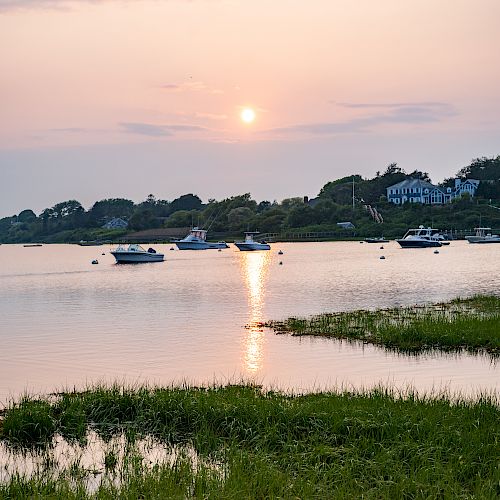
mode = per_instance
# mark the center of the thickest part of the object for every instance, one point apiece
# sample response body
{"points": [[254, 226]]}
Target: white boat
{"points": [[423, 237], [250, 244], [135, 253], [197, 240], [483, 235], [376, 240]]}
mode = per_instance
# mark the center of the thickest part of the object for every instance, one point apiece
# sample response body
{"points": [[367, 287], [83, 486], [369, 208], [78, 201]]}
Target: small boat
{"points": [[421, 238], [135, 253], [197, 240], [250, 244], [84, 243], [483, 235], [28, 245], [376, 240]]}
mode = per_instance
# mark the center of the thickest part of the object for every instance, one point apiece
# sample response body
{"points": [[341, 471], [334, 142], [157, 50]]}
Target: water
{"points": [[65, 323]]}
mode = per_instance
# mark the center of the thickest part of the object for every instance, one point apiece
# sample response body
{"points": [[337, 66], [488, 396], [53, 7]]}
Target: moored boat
{"points": [[197, 240], [250, 244], [423, 237], [483, 235], [376, 240], [135, 254]]}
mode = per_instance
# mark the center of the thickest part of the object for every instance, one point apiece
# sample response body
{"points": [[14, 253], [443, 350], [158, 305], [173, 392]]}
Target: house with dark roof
{"points": [[116, 223], [418, 191]]}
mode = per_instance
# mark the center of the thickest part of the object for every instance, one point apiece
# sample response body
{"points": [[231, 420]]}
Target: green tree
{"points": [[26, 216], [186, 202]]}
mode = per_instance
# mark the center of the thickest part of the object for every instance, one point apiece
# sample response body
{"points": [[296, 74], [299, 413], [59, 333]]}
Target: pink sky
{"points": [[96, 95]]}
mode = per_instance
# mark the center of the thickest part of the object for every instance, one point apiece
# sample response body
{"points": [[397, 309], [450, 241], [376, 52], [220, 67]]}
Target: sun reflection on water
{"points": [[254, 267]]}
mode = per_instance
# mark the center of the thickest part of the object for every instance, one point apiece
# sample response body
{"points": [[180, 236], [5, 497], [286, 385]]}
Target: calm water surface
{"points": [[65, 322]]}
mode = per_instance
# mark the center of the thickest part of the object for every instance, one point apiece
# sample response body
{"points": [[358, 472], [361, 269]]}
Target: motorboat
{"points": [[483, 235], [250, 244], [197, 240], [135, 253], [376, 240], [423, 237]]}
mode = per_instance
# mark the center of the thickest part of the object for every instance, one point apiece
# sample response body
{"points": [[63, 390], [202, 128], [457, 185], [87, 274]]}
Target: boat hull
{"points": [[419, 244], [249, 247], [480, 239], [200, 245], [130, 258]]}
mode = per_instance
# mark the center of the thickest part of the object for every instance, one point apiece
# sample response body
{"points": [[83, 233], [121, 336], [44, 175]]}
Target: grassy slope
{"points": [[373, 445], [472, 324]]}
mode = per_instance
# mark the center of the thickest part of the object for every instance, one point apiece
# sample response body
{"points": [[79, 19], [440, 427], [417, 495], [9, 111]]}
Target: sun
{"points": [[247, 115]]}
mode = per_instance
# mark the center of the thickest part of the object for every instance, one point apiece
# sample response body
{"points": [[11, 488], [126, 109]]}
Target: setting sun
{"points": [[248, 115]]}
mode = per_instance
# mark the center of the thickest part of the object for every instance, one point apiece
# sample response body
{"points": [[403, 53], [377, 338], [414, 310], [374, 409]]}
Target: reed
{"points": [[471, 324], [250, 443]]}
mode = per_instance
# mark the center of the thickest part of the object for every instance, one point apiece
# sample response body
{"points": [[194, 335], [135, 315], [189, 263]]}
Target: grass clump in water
{"points": [[254, 444], [472, 324], [29, 423]]}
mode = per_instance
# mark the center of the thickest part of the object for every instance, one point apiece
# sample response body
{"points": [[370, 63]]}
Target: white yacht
{"points": [[135, 253], [421, 238], [251, 244], [197, 240], [483, 235]]}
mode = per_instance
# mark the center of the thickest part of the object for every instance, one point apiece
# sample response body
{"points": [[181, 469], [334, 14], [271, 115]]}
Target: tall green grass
{"points": [[472, 324], [255, 444]]}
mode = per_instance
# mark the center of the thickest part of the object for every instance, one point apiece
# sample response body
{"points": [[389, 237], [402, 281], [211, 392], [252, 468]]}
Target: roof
{"points": [[412, 183]]}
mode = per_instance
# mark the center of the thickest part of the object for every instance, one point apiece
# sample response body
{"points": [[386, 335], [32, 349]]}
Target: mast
{"points": [[353, 193]]}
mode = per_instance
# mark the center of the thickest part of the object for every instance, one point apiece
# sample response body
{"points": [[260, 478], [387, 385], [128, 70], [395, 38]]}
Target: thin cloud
{"points": [[152, 130], [6, 5], [190, 86], [401, 113], [69, 130], [211, 116], [146, 129], [389, 105]]}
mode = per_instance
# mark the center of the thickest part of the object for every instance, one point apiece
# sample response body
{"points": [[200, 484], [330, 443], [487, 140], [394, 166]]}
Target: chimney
{"points": [[306, 199]]}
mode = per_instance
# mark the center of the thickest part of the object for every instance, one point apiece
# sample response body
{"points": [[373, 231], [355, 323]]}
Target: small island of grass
{"points": [[471, 324]]}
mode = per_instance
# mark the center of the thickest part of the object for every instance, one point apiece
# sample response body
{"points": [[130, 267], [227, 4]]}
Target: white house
{"points": [[418, 191]]}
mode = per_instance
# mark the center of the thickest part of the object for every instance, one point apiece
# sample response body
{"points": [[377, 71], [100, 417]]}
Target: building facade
{"points": [[418, 191]]}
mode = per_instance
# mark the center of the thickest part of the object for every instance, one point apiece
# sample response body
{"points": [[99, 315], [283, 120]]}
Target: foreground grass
{"points": [[252, 444], [472, 324]]}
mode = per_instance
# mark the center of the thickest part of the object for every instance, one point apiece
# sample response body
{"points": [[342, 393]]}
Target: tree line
{"points": [[69, 221]]}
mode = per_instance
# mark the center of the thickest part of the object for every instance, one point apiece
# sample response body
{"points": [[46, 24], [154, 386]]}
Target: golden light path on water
{"points": [[254, 268]]}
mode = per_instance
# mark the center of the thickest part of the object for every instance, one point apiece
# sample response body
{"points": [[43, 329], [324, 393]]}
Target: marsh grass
{"points": [[248, 443], [471, 324]]}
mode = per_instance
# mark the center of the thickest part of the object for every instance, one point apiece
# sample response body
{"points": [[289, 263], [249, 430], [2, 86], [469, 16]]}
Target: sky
{"points": [[117, 98]]}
